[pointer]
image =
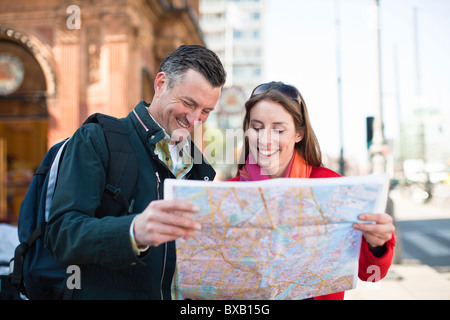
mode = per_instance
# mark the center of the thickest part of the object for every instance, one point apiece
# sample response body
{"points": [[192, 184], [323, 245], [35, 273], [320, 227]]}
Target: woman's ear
{"points": [[160, 83], [300, 134]]}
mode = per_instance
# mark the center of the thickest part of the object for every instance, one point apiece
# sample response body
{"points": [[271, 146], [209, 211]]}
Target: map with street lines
{"points": [[273, 239]]}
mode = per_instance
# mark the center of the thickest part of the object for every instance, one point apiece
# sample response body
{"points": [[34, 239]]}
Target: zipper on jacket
{"points": [[164, 269], [158, 182]]}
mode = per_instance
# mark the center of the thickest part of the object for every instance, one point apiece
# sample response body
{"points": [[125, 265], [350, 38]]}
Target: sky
{"points": [[300, 49]]}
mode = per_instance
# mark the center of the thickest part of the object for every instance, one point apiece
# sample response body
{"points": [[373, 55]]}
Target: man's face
{"points": [[186, 105]]}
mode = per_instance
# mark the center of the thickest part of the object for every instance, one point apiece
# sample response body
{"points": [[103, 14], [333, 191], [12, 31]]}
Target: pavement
{"points": [[405, 282], [408, 279]]}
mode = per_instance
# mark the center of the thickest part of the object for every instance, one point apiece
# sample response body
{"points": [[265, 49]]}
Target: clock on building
{"points": [[232, 100], [11, 73]]}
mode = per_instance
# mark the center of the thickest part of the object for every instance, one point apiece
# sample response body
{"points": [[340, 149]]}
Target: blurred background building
{"points": [[234, 30], [61, 62], [420, 152]]}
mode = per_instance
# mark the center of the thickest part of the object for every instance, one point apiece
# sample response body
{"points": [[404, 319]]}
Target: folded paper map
{"points": [[273, 239]]}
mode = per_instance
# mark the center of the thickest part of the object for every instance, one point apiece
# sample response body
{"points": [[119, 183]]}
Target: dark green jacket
{"points": [[101, 247]]}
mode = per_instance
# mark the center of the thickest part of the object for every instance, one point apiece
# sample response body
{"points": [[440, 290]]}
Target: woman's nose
{"points": [[265, 134], [268, 137], [264, 137]]}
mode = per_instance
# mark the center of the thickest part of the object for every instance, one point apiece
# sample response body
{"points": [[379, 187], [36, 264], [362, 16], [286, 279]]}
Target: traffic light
{"points": [[369, 130]]}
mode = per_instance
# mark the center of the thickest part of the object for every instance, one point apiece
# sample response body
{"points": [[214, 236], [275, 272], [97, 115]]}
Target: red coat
{"points": [[366, 258]]}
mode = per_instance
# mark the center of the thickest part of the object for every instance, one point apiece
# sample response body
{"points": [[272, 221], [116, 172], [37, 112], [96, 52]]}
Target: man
{"points": [[133, 256]]}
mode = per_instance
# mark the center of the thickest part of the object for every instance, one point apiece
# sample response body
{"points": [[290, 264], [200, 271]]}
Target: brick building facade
{"points": [[62, 61]]}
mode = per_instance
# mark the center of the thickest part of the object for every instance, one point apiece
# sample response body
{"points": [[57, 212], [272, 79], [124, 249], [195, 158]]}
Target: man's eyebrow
{"points": [[195, 103], [191, 100]]}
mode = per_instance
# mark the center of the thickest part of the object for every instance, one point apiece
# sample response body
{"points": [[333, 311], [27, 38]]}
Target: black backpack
{"points": [[33, 269]]}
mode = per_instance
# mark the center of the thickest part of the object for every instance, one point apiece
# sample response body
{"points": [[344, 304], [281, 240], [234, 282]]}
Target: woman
{"points": [[280, 142]]}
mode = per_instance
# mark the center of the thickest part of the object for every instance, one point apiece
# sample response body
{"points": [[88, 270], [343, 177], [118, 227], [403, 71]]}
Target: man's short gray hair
{"points": [[194, 57]]}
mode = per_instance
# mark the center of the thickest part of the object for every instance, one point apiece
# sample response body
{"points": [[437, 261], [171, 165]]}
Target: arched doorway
{"points": [[23, 122]]}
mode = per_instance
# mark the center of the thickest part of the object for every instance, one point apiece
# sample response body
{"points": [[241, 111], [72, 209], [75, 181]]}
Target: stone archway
{"points": [[27, 88]]}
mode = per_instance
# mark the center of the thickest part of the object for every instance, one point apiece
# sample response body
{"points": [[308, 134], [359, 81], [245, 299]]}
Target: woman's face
{"points": [[272, 137]]}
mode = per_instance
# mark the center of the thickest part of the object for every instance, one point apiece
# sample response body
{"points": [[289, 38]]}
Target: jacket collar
{"points": [[148, 130], [151, 132]]}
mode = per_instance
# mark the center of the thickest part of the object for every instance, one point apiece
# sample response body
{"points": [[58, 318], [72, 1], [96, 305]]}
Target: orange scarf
{"points": [[297, 168]]}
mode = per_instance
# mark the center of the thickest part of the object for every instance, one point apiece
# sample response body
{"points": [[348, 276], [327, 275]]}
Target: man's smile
{"points": [[184, 124]]}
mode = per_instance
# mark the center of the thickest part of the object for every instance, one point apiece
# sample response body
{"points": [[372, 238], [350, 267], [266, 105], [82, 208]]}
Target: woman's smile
{"points": [[267, 153]]}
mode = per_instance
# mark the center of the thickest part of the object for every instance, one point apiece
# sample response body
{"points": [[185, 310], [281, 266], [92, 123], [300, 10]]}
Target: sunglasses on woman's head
{"points": [[285, 89]]}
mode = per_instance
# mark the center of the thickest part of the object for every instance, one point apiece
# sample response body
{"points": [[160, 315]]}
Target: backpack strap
{"points": [[122, 169], [15, 276], [52, 177]]}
